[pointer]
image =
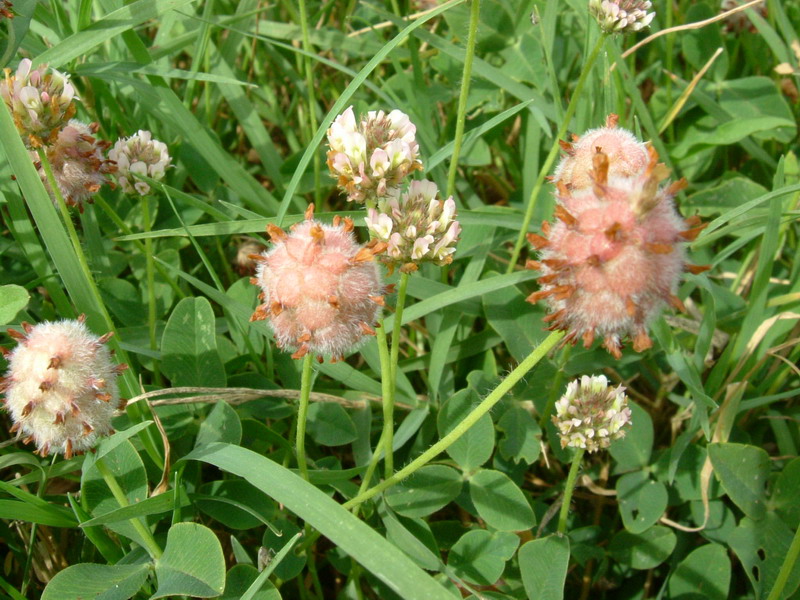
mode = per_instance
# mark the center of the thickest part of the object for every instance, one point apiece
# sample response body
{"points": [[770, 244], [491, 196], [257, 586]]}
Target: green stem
{"points": [[302, 415], [548, 162], [151, 291], [461, 115], [485, 406], [388, 401], [555, 388], [573, 475], [123, 227], [119, 495], [26, 574], [388, 406], [312, 102], [786, 568]]}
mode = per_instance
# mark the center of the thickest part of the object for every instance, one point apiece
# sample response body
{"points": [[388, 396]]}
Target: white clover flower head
{"points": [[592, 414], [139, 154], [60, 388], [417, 227], [371, 157], [76, 159], [621, 16], [40, 101]]}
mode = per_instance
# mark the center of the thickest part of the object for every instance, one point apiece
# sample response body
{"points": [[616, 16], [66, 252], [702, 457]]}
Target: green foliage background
{"points": [[698, 501]]}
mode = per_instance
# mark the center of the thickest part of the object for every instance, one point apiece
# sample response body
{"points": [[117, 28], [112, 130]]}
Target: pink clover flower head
{"points": [[417, 227], [139, 154], [321, 290], [627, 156], [621, 16], [592, 414], [76, 158], [40, 101], [370, 158], [614, 256], [60, 388]]}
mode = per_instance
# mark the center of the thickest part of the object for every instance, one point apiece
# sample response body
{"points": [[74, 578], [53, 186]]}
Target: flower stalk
{"points": [[302, 416], [569, 488]]}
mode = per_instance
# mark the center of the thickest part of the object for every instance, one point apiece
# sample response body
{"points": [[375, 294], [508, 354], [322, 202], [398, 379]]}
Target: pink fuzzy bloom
{"points": [[627, 156], [60, 388], [321, 290], [614, 257], [79, 168]]}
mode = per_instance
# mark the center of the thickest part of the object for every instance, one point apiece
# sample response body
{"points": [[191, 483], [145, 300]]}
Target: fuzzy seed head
{"points": [[139, 154], [244, 262], [40, 101], [418, 227], [592, 414], [371, 158], [621, 16], [320, 288], [76, 158], [626, 155], [61, 389], [614, 257]]}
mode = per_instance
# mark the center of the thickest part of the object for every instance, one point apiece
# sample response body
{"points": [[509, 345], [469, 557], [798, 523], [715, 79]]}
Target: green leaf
{"points": [[13, 299], [192, 563], [787, 491], [543, 564], [644, 550], [189, 346], [414, 537], [480, 556], [704, 574], [235, 504], [330, 425], [102, 30], [633, 451], [475, 447], [761, 546], [221, 425], [642, 501], [742, 470], [521, 436], [312, 505], [97, 582], [500, 502], [431, 488], [54, 516], [239, 580]]}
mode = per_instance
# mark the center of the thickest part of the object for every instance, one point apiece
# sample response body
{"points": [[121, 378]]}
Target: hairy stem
{"points": [[485, 406], [302, 415], [570, 486], [150, 544], [461, 116]]}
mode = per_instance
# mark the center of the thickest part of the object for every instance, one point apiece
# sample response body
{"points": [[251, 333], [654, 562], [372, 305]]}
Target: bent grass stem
{"points": [[485, 406]]}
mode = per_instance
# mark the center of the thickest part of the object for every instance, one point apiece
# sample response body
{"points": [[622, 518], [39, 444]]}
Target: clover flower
{"points": [[76, 158], [614, 257], [621, 16], [371, 158], [627, 156], [321, 290], [592, 414], [139, 154], [40, 101], [60, 388], [243, 261], [6, 9], [419, 227]]}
